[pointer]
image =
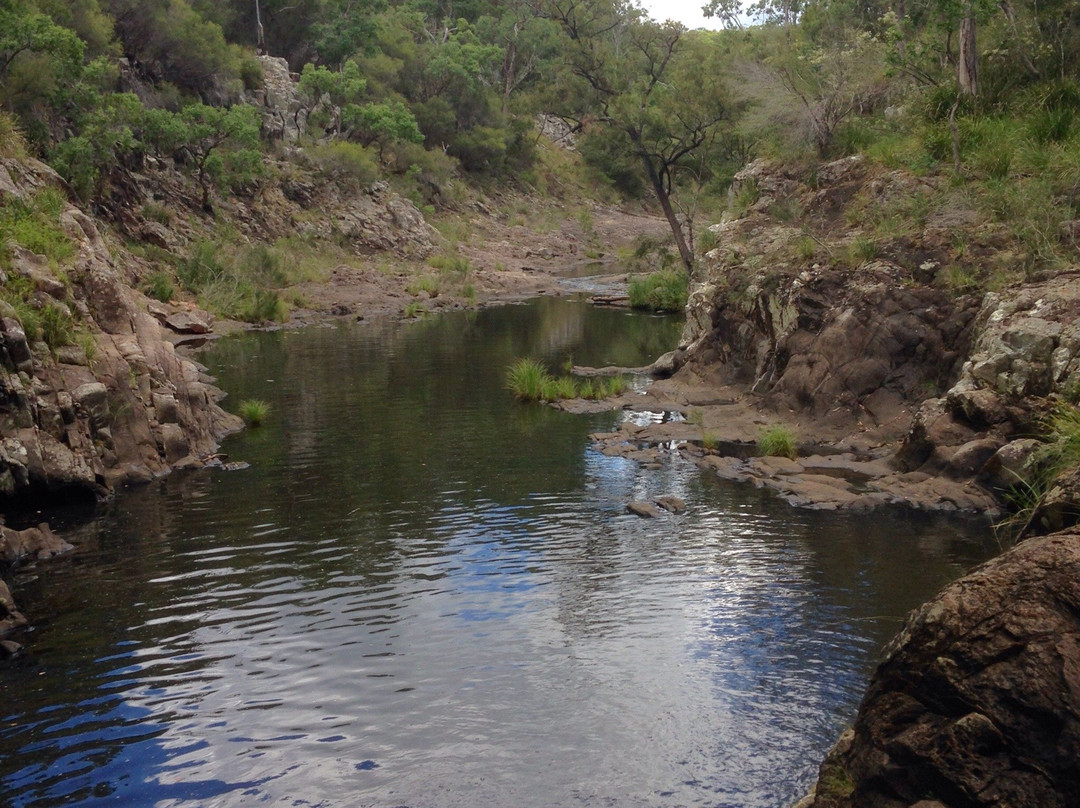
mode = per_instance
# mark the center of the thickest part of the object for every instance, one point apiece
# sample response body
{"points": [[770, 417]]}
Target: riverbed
{"points": [[423, 593]]}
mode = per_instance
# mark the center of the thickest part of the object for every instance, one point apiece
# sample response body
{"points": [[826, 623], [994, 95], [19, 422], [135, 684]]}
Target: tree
{"points": [[203, 136], [381, 124], [645, 84]]}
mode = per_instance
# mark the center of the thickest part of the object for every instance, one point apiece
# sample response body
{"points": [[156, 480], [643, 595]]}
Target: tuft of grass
{"points": [[424, 284], [448, 262], [157, 213], [806, 248], [57, 326], [254, 411], [777, 441], [88, 342], [414, 309], [160, 287], [35, 225], [527, 379], [660, 291]]}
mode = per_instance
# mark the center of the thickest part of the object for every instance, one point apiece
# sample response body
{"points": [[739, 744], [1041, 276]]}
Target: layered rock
{"points": [[119, 405], [977, 702]]}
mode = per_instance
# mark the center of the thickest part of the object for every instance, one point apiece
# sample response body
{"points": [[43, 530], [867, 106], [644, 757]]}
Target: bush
{"points": [[777, 441], [660, 291], [349, 164]]}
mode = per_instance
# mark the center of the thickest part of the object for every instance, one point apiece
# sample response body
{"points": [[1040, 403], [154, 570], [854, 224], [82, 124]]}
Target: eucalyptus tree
{"points": [[648, 87]]}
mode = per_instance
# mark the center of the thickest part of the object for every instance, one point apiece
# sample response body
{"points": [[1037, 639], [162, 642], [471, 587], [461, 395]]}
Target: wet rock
{"points": [[976, 701], [646, 510], [16, 345], [35, 543], [671, 503]]}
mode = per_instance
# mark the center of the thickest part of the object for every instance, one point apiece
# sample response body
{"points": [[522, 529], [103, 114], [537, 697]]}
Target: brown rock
{"points": [[671, 503], [186, 322], [646, 510], [34, 542], [978, 700]]}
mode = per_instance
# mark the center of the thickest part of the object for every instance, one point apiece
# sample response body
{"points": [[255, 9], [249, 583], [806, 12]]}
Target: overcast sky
{"points": [[688, 12]]}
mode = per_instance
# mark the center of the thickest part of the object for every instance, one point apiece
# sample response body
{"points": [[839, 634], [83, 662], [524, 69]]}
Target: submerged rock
{"points": [[977, 703]]}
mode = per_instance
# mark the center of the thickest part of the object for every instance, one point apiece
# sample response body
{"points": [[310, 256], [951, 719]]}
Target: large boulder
{"points": [[977, 703]]}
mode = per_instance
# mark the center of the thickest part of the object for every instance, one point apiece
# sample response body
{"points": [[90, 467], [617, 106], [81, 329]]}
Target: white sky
{"points": [[688, 12]]}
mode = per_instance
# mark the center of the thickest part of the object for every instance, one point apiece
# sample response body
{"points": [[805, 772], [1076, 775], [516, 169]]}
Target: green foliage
{"points": [[239, 284], [381, 124], [660, 291], [57, 327], [449, 262], [34, 224], [160, 287], [349, 164], [527, 380], [220, 145], [777, 441], [254, 411]]}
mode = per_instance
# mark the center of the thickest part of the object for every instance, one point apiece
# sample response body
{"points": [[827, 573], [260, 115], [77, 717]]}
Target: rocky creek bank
{"points": [[896, 387], [900, 389]]}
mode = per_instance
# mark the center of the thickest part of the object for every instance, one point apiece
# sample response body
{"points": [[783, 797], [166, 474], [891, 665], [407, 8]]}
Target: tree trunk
{"points": [[665, 202], [967, 65]]}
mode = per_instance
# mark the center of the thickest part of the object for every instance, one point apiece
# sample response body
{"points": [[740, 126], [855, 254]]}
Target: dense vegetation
{"points": [[428, 93]]}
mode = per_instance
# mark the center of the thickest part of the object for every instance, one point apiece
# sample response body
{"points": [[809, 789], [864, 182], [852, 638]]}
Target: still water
{"points": [[422, 593]]}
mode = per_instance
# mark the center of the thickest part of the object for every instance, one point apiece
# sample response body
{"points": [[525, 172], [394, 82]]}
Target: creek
{"points": [[422, 593]]}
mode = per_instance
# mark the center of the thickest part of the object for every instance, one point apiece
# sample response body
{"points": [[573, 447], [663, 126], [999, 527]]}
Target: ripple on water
{"points": [[421, 594]]}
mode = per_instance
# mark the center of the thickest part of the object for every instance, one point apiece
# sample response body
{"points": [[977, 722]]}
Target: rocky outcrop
{"points": [[115, 405], [977, 702], [861, 340]]}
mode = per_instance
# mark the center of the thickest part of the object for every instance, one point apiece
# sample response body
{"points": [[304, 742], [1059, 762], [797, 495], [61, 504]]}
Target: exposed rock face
{"points": [[105, 411], [824, 338], [284, 116], [977, 703]]}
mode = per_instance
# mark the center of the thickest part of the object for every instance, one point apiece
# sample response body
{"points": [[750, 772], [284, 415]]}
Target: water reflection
{"points": [[424, 594]]}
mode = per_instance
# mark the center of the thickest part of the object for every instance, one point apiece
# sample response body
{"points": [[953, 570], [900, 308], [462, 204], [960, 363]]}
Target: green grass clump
{"points": [[254, 411], [424, 284], [35, 225], [777, 441], [660, 291], [448, 262], [160, 287], [527, 379], [57, 326]]}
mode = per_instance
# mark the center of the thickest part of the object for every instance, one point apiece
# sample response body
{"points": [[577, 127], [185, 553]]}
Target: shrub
{"points": [[160, 287], [777, 441], [660, 291], [348, 164], [254, 411]]}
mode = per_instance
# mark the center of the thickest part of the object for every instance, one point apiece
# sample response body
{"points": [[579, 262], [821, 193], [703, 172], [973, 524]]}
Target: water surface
{"points": [[425, 594]]}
